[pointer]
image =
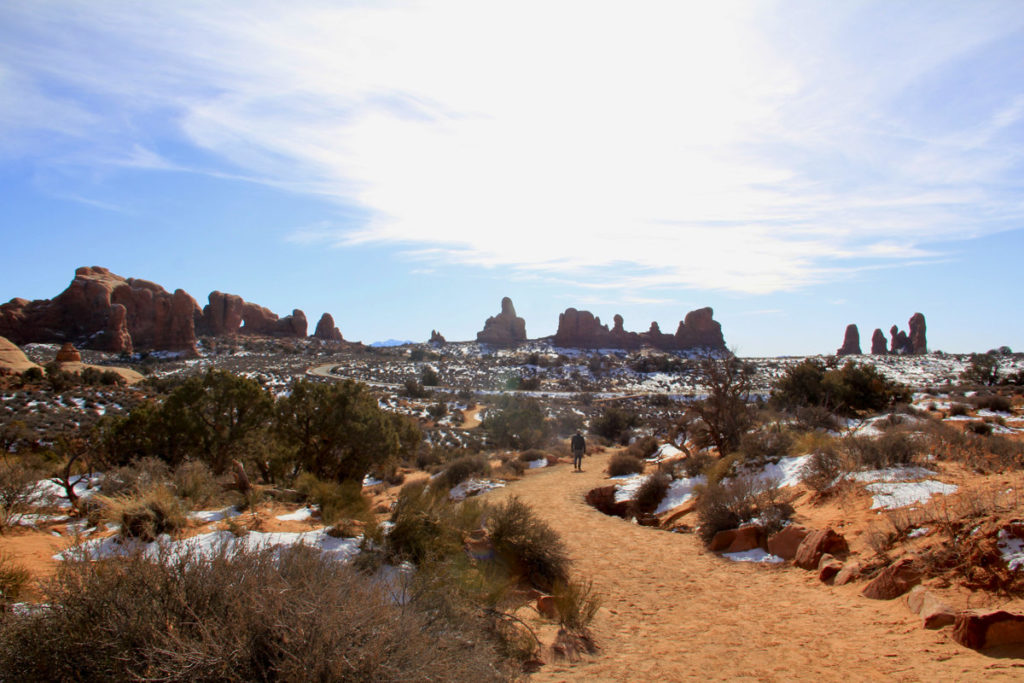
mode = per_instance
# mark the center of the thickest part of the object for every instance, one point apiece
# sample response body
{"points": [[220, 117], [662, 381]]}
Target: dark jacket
{"points": [[578, 443]]}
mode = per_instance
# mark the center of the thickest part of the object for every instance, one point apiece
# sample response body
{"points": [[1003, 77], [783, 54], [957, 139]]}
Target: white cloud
{"points": [[741, 146]]}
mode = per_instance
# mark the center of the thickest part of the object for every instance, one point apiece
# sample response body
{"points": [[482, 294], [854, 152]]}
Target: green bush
{"points": [[847, 390], [983, 369], [427, 526], [615, 424], [517, 422], [336, 501], [622, 464], [278, 614]]}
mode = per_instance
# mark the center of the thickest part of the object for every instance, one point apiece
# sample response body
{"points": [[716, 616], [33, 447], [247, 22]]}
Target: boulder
{"points": [[893, 581], [738, 540], [816, 544], [849, 572], [851, 342], [784, 543], [326, 330], [504, 329], [878, 343], [934, 613], [828, 568], [13, 360], [979, 630], [918, 338], [603, 499], [68, 354]]}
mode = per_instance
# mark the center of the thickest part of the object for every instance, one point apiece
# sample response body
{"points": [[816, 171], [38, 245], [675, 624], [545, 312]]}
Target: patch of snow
{"points": [[1012, 550], [300, 515], [755, 555], [786, 472], [49, 492], [539, 462], [370, 481], [664, 452], [679, 491], [892, 495], [917, 533], [893, 474], [214, 515], [472, 487], [630, 485], [206, 545]]}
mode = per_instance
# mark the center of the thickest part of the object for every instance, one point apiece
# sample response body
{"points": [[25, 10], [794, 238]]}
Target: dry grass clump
{"points": [[336, 501], [765, 445], [893, 447], [17, 481], [463, 468], [532, 549], [287, 615], [14, 579], [194, 481], [427, 526], [652, 491], [135, 477], [147, 515], [694, 465], [623, 463], [532, 454], [576, 604]]}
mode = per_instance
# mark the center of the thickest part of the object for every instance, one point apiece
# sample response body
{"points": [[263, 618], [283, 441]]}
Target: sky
{"points": [[796, 165]]}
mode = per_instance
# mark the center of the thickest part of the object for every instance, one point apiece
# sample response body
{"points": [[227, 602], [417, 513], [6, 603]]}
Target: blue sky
{"points": [[796, 165]]}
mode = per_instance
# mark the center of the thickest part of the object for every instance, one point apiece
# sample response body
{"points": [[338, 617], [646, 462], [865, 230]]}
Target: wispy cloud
{"points": [[640, 148]]}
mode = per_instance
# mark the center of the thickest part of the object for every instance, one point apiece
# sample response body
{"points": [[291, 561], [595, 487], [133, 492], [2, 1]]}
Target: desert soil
{"points": [[670, 611]]}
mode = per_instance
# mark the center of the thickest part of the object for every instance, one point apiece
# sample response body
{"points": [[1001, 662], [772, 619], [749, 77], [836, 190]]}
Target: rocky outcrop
{"points": [[223, 315], [979, 630], [101, 310], [68, 354], [900, 341], [230, 314], [13, 360], [326, 329], [851, 342], [879, 346], [504, 329], [582, 329], [738, 540], [918, 338], [933, 612], [436, 338], [784, 543]]}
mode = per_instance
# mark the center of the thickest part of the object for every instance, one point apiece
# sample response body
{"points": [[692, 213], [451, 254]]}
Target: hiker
{"points": [[579, 447]]}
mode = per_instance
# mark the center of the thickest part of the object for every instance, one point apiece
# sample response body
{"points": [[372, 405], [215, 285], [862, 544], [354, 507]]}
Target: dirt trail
{"points": [[671, 612]]}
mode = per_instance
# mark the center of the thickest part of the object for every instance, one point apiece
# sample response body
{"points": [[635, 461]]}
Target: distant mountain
{"points": [[392, 342]]}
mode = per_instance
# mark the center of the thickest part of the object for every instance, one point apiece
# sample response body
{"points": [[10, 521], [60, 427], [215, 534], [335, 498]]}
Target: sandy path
{"points": [[671, 612]]}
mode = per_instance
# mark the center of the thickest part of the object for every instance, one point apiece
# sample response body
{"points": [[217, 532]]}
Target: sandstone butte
{"points": [[581, 329], [914, 343], [104, 311]]}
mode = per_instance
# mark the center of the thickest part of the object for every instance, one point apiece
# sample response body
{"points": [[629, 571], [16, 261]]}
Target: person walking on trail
{"points": [[579, 447]]}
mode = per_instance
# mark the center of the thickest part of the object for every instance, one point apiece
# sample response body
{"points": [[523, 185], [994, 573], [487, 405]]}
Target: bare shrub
{"points": [[651, 492], [623, 463], [980, 428], [765, 445], [135, 477], [890, 449], [727, 504], [695, 465], [532, 549], [816, 418], [247, 615], [823, 469], [532, 454], [643, 448], [958, 409], [426, 526], [17, 484], [994, 402]]}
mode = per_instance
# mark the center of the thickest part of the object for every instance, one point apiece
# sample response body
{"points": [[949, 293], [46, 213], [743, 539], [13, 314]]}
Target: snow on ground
{"points": [[679, 491], [1012, 550], [472, 487], [214, 515], [206, 545], [664, 453], [539, 462], [370, 481], [893, 474], [300, 515], [786, 472], [892, 495], [630, 485], [49, 492], [755, 555]]}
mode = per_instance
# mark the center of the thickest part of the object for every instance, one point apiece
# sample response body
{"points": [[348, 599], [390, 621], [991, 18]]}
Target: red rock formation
{"points": [[581, 329], [879, 347], [68, 354], [437, 338], [900, 341], [784, 543], [979, 630], [816, 544], [223, 315], [504, 329], [918, 338], [326, 330], [105, 311], [893, 581], [738, 540], [851, 342]]}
